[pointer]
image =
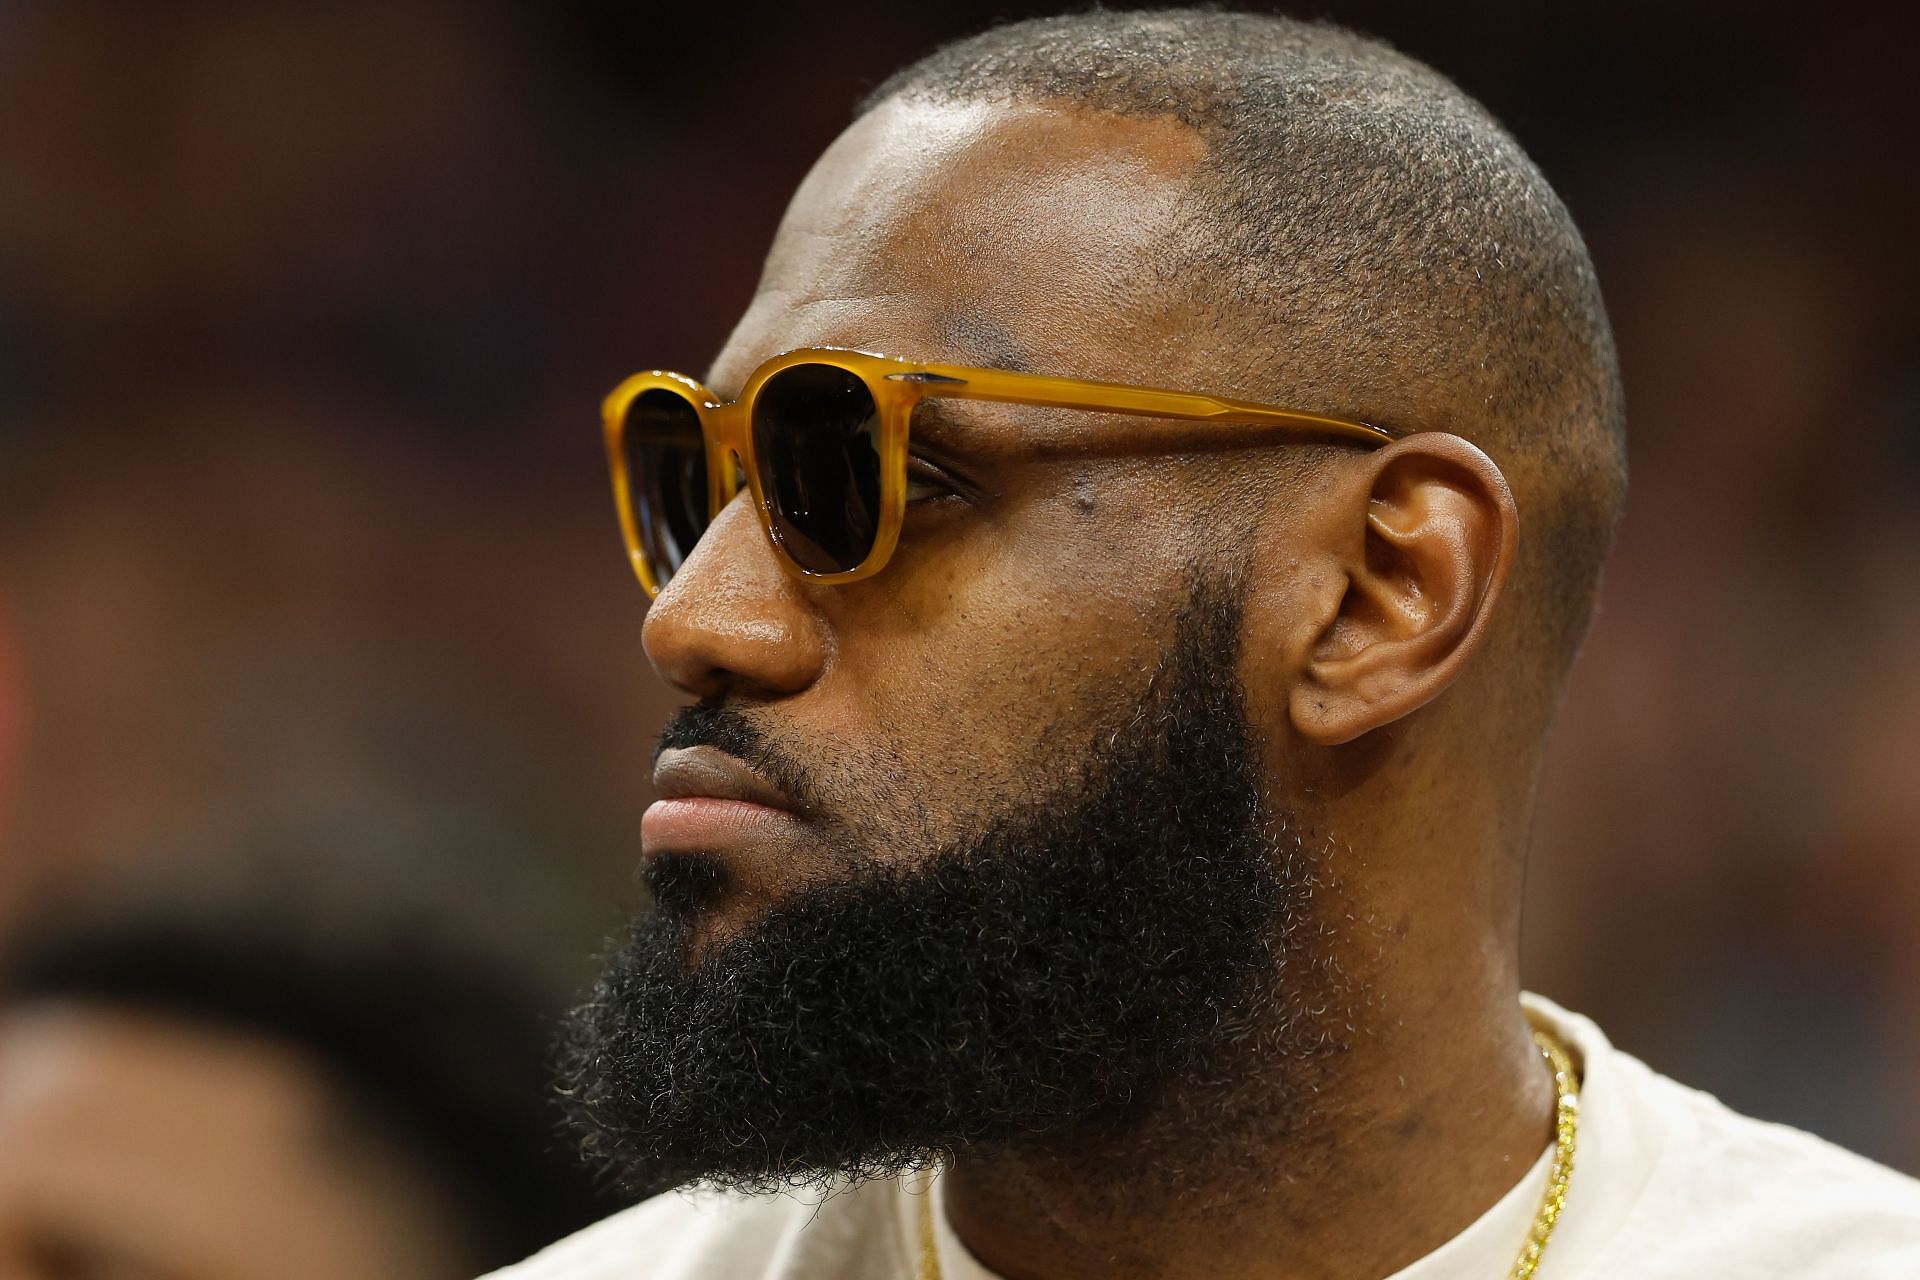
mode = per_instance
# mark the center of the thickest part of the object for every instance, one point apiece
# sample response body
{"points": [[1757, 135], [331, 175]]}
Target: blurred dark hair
{"points": [[436, 1032]]}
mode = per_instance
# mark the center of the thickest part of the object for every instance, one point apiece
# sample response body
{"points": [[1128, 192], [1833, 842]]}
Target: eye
{"points": [[926, 481]]}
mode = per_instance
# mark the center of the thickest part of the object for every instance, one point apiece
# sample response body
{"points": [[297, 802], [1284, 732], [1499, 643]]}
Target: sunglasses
{"points": [[819, 436]]}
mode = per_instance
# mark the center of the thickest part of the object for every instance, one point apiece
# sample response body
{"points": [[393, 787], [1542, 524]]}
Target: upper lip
{"points": [[685, 772]]}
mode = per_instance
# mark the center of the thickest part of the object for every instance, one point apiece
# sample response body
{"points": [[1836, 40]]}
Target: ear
{"points": [[1430, 538]]}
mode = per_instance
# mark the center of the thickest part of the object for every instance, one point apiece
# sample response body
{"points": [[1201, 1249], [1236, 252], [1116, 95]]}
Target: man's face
{"points": [[1024, 607], [1030, 883]]}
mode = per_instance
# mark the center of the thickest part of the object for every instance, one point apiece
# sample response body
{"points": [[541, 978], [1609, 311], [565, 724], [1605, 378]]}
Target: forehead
{"points": [[1003, 234]]}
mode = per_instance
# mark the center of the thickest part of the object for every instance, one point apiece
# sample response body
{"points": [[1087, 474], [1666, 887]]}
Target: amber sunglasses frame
{"points": [[897, 385]]}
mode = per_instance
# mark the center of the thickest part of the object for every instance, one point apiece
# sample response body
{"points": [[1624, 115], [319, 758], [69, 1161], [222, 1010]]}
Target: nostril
{"points": [[734, 620], [731, 651]]}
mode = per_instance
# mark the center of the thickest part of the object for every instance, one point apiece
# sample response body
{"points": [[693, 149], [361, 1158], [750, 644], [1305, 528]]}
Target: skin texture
{"points": [[138, 1149], [1049, 238]]}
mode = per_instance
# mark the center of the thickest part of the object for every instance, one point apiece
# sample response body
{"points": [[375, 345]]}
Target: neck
{"points": [[1416, 1128]]}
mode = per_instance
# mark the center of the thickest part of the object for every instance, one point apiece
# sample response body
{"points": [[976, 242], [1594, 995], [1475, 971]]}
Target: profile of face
{"points": [[135, 1147], [1034, 858]]}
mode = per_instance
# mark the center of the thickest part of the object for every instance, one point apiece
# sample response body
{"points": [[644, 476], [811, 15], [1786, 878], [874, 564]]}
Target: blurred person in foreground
{"points": [[262, 1071], [1095, 846]]}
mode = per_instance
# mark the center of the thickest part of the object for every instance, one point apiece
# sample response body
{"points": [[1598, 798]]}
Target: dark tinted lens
{"points": [[816, 440], [667, 468]]}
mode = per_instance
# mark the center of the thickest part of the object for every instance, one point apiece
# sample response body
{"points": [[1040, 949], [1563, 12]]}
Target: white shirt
{"points": [[1667, 1183]]}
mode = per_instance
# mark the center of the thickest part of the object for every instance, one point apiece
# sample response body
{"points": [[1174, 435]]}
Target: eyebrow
{"points": [[972, 338]]}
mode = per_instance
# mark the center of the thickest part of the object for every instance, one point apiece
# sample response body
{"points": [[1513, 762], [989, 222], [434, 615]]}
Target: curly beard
{"points": [[1136, 960]]}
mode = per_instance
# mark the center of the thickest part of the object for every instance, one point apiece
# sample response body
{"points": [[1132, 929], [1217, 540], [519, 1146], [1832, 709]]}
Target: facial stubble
{"points": [[1137, 963]]}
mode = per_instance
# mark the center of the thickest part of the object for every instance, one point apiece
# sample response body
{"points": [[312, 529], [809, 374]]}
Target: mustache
{"points": [[712, 723]]}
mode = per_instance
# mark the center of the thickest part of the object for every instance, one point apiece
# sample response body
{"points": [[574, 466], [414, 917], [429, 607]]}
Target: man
{"points": [[272, 1069], [1095, 844]]}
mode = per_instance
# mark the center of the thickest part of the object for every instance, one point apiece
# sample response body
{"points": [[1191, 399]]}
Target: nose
{"points": [[734, 619]]}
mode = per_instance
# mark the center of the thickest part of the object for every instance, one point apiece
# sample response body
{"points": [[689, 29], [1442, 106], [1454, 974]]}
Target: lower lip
{"points": [[704, 823]]}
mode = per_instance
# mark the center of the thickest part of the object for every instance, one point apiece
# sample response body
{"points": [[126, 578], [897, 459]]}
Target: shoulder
{"points": [[1669, 1182], [698, 1235], [1735, 1195], [680, 1233]]}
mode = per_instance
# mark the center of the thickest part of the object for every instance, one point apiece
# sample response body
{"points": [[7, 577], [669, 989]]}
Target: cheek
{"points": [[1005, 642]]}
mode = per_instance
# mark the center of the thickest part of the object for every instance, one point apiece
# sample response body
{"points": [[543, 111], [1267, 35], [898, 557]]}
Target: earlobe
{"points": [[1430, 545]]}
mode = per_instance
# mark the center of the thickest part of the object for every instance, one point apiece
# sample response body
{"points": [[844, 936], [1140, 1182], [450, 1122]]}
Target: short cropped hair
{"points": [[1380, 247]]}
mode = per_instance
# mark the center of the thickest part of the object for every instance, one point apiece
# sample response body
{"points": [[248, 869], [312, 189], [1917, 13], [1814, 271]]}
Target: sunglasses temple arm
{"points": [[1103, 397]]}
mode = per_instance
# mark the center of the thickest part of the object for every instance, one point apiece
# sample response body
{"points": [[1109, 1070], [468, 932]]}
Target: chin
{"points": [[727, 917]]}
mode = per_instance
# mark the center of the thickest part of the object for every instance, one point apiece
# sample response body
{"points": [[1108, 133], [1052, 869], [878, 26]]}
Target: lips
{"points": [[685, 773], [710, 801]]}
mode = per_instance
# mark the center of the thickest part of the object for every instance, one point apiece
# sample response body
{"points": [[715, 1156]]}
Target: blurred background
{"points": [[306, 310]]}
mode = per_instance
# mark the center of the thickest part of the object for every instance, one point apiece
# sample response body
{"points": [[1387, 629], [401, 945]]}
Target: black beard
{"points": [[1105, 966]]}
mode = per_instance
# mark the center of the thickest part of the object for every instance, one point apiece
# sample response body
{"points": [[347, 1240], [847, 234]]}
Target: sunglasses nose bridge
{"points": [[729, 431], [727, 445]]}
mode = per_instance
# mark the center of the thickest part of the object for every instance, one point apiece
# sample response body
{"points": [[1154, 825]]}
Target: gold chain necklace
{"points": [[1566, 1119]]}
